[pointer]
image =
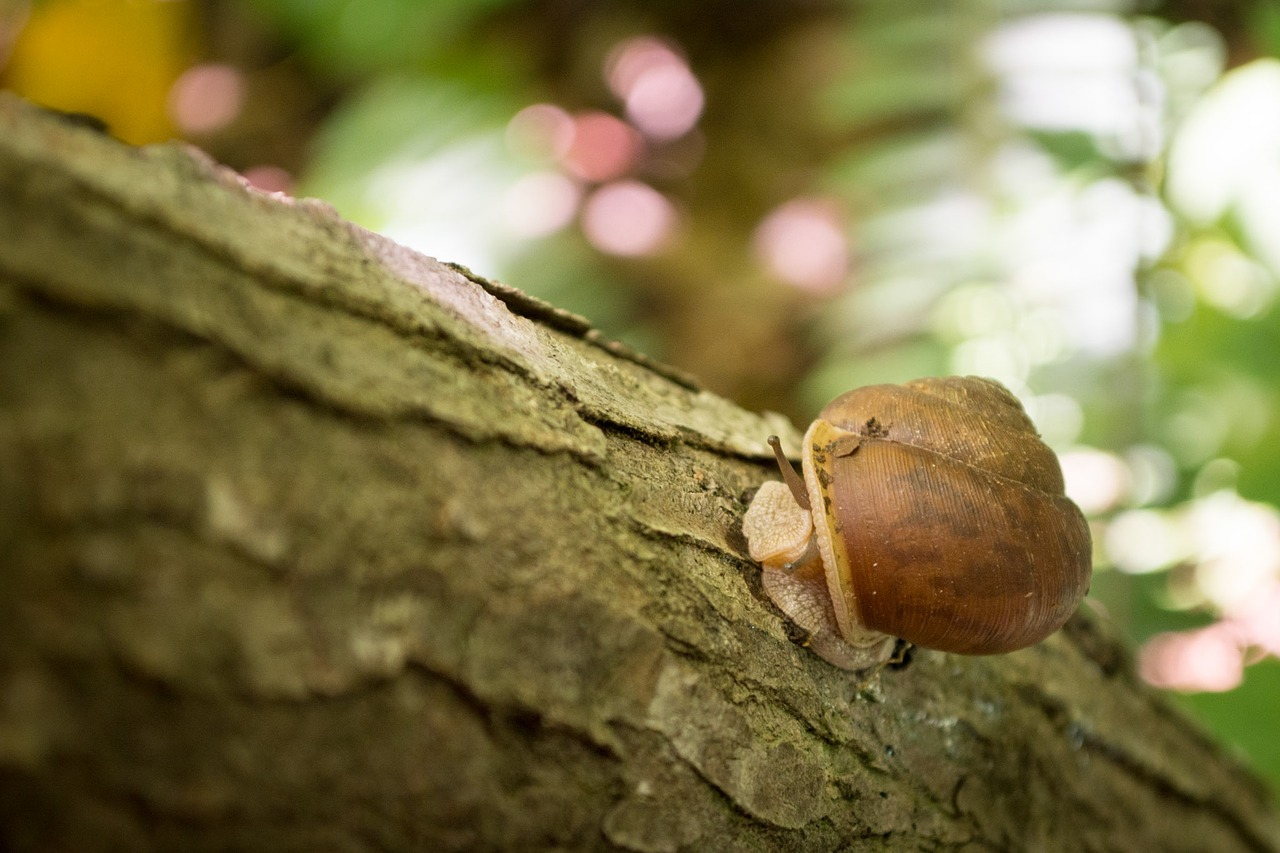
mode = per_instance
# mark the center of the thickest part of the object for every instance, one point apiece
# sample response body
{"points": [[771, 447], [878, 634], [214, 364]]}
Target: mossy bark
{"points": [[308, 542]]}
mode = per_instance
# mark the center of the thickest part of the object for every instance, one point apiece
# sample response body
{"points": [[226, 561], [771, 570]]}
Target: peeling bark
{"points": [[309, 542]]}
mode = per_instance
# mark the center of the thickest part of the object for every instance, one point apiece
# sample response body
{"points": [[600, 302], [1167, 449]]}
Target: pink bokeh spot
{"points": [[604, 147], [206, 98], [1213, 658], [628, 218], [662, 96], [631, 59], [271, 179], [1209, 659], [665, 102], [802, 242]]}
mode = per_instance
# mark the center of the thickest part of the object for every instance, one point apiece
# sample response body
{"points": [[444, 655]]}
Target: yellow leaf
{"points": [[115, 59]]}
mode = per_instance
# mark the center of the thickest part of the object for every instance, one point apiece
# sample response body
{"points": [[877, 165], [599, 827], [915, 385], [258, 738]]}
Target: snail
{"points": [[930, 512]]}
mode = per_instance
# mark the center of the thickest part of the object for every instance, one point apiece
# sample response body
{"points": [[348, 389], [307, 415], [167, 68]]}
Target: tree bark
{"points": [[308, 542]]}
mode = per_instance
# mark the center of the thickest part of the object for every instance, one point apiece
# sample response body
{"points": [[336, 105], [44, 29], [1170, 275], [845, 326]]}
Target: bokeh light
{"points": [[1207, 659], [603, 147], [803, 243], [1227, 157], [628, 218], [206, 98], [1062, 71], [1095, 479], [267, 178], [661, 94]]}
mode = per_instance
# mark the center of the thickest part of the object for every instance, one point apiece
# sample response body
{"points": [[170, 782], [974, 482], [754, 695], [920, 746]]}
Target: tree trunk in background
{"points": [[308, 542]]}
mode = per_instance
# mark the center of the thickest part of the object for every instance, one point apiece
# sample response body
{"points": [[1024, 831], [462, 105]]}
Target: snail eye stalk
{"points": [[789, 475]]}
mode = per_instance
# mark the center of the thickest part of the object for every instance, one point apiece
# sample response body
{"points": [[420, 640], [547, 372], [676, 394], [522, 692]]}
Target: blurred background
{"points": [[791, 198]]}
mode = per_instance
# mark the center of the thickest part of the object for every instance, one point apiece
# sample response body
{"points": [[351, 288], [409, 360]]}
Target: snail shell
{"points": [[939, 517]]}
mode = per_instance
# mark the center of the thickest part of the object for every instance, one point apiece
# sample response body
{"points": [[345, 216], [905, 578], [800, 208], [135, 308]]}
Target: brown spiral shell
{"points": [[952, 517]]}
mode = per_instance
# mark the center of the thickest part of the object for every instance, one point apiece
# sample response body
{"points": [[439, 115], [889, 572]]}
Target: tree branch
{"points": [[311, 542]]}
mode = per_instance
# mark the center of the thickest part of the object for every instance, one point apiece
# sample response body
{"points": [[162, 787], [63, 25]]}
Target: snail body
{"points": [[930, 512]]}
